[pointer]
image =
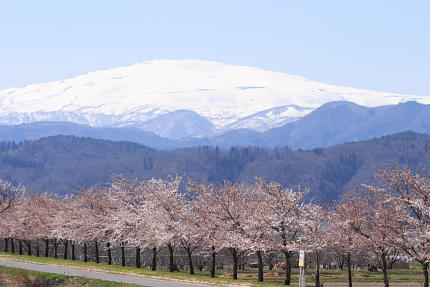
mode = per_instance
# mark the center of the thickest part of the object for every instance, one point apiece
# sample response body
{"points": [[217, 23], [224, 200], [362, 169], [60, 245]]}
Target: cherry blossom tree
{"points": [[68, 222], [409, 194], [384, 219], [209, 225], [47, 208], [315, 234], [280, 209], [373, 218], [9, 195], [232, 212], [260, 234], [25, 225], [191, 237], [33, 218], [94, 222], [343, 238], [164, 214], [131, 217], [227, 206], [174, 215]]}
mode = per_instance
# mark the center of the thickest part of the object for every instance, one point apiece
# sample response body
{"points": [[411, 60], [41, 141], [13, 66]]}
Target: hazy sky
{"points": [[372, 44]]}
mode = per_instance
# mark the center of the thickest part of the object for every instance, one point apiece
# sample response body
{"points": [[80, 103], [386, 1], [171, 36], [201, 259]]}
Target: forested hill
{"points": [[63, 163]]}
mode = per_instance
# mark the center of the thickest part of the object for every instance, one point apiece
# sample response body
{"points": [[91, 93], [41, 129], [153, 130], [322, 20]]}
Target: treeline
{"points": [[63, 163], [383, 221]]}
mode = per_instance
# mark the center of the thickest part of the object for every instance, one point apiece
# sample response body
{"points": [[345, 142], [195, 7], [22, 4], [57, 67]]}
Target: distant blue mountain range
{"points": [[332, 123]]}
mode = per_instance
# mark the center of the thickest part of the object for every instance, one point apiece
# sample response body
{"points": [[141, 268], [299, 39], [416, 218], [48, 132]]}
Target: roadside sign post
{"points": [[302, 268]]}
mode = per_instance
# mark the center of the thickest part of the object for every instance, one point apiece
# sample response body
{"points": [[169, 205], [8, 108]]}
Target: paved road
{"points": [[95, 274]]}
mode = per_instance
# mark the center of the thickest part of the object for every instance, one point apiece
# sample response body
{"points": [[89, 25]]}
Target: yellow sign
{"points": [[302, 258]]}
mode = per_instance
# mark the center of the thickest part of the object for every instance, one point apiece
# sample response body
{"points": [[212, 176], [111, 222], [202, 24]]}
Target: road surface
{"points": [[149, 282]]}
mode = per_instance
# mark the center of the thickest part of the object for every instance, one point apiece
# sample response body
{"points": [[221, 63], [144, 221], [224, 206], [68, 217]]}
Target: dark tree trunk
{"points": [[12, 245], [341, 261], [385, 269], [6, 244], [235, 258], [96, 248], [317, 269], [46, 247], [122, 255], [66, 245], [85, 252], [287, 255], [20, 247], [213, 265], [171, 258], [37, 248], [55, 248], [109, 251], [154, 259], [73, 251], [426, 274], [190, 260], [260, 267], [28, 243], [137, 257], [348, 262]]}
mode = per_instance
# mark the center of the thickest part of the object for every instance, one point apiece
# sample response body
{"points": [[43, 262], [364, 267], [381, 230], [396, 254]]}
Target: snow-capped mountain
{"points": [[270, 118], [179, 124], [206, 97]]}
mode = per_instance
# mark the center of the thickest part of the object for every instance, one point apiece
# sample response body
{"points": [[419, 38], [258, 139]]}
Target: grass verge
{"points": [[20, 277]]}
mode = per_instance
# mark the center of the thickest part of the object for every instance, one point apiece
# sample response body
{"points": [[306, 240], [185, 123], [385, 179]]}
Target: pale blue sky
{"points": [[372, 44]]}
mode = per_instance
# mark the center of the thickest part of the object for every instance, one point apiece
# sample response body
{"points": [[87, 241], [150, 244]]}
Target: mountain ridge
{"points": [[61, 164], [332, 123], [228, 96]]}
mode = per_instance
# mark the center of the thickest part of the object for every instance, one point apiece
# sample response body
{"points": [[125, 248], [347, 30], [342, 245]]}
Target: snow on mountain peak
{"points": [[227, 95]]}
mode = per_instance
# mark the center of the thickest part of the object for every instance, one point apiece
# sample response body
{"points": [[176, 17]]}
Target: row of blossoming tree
{"points": [[382, 220]]}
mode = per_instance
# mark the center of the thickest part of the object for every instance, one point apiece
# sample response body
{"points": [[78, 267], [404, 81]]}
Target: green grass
{"points": [[247, 277], [395, 275], [181, 275], [32, 278]]}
